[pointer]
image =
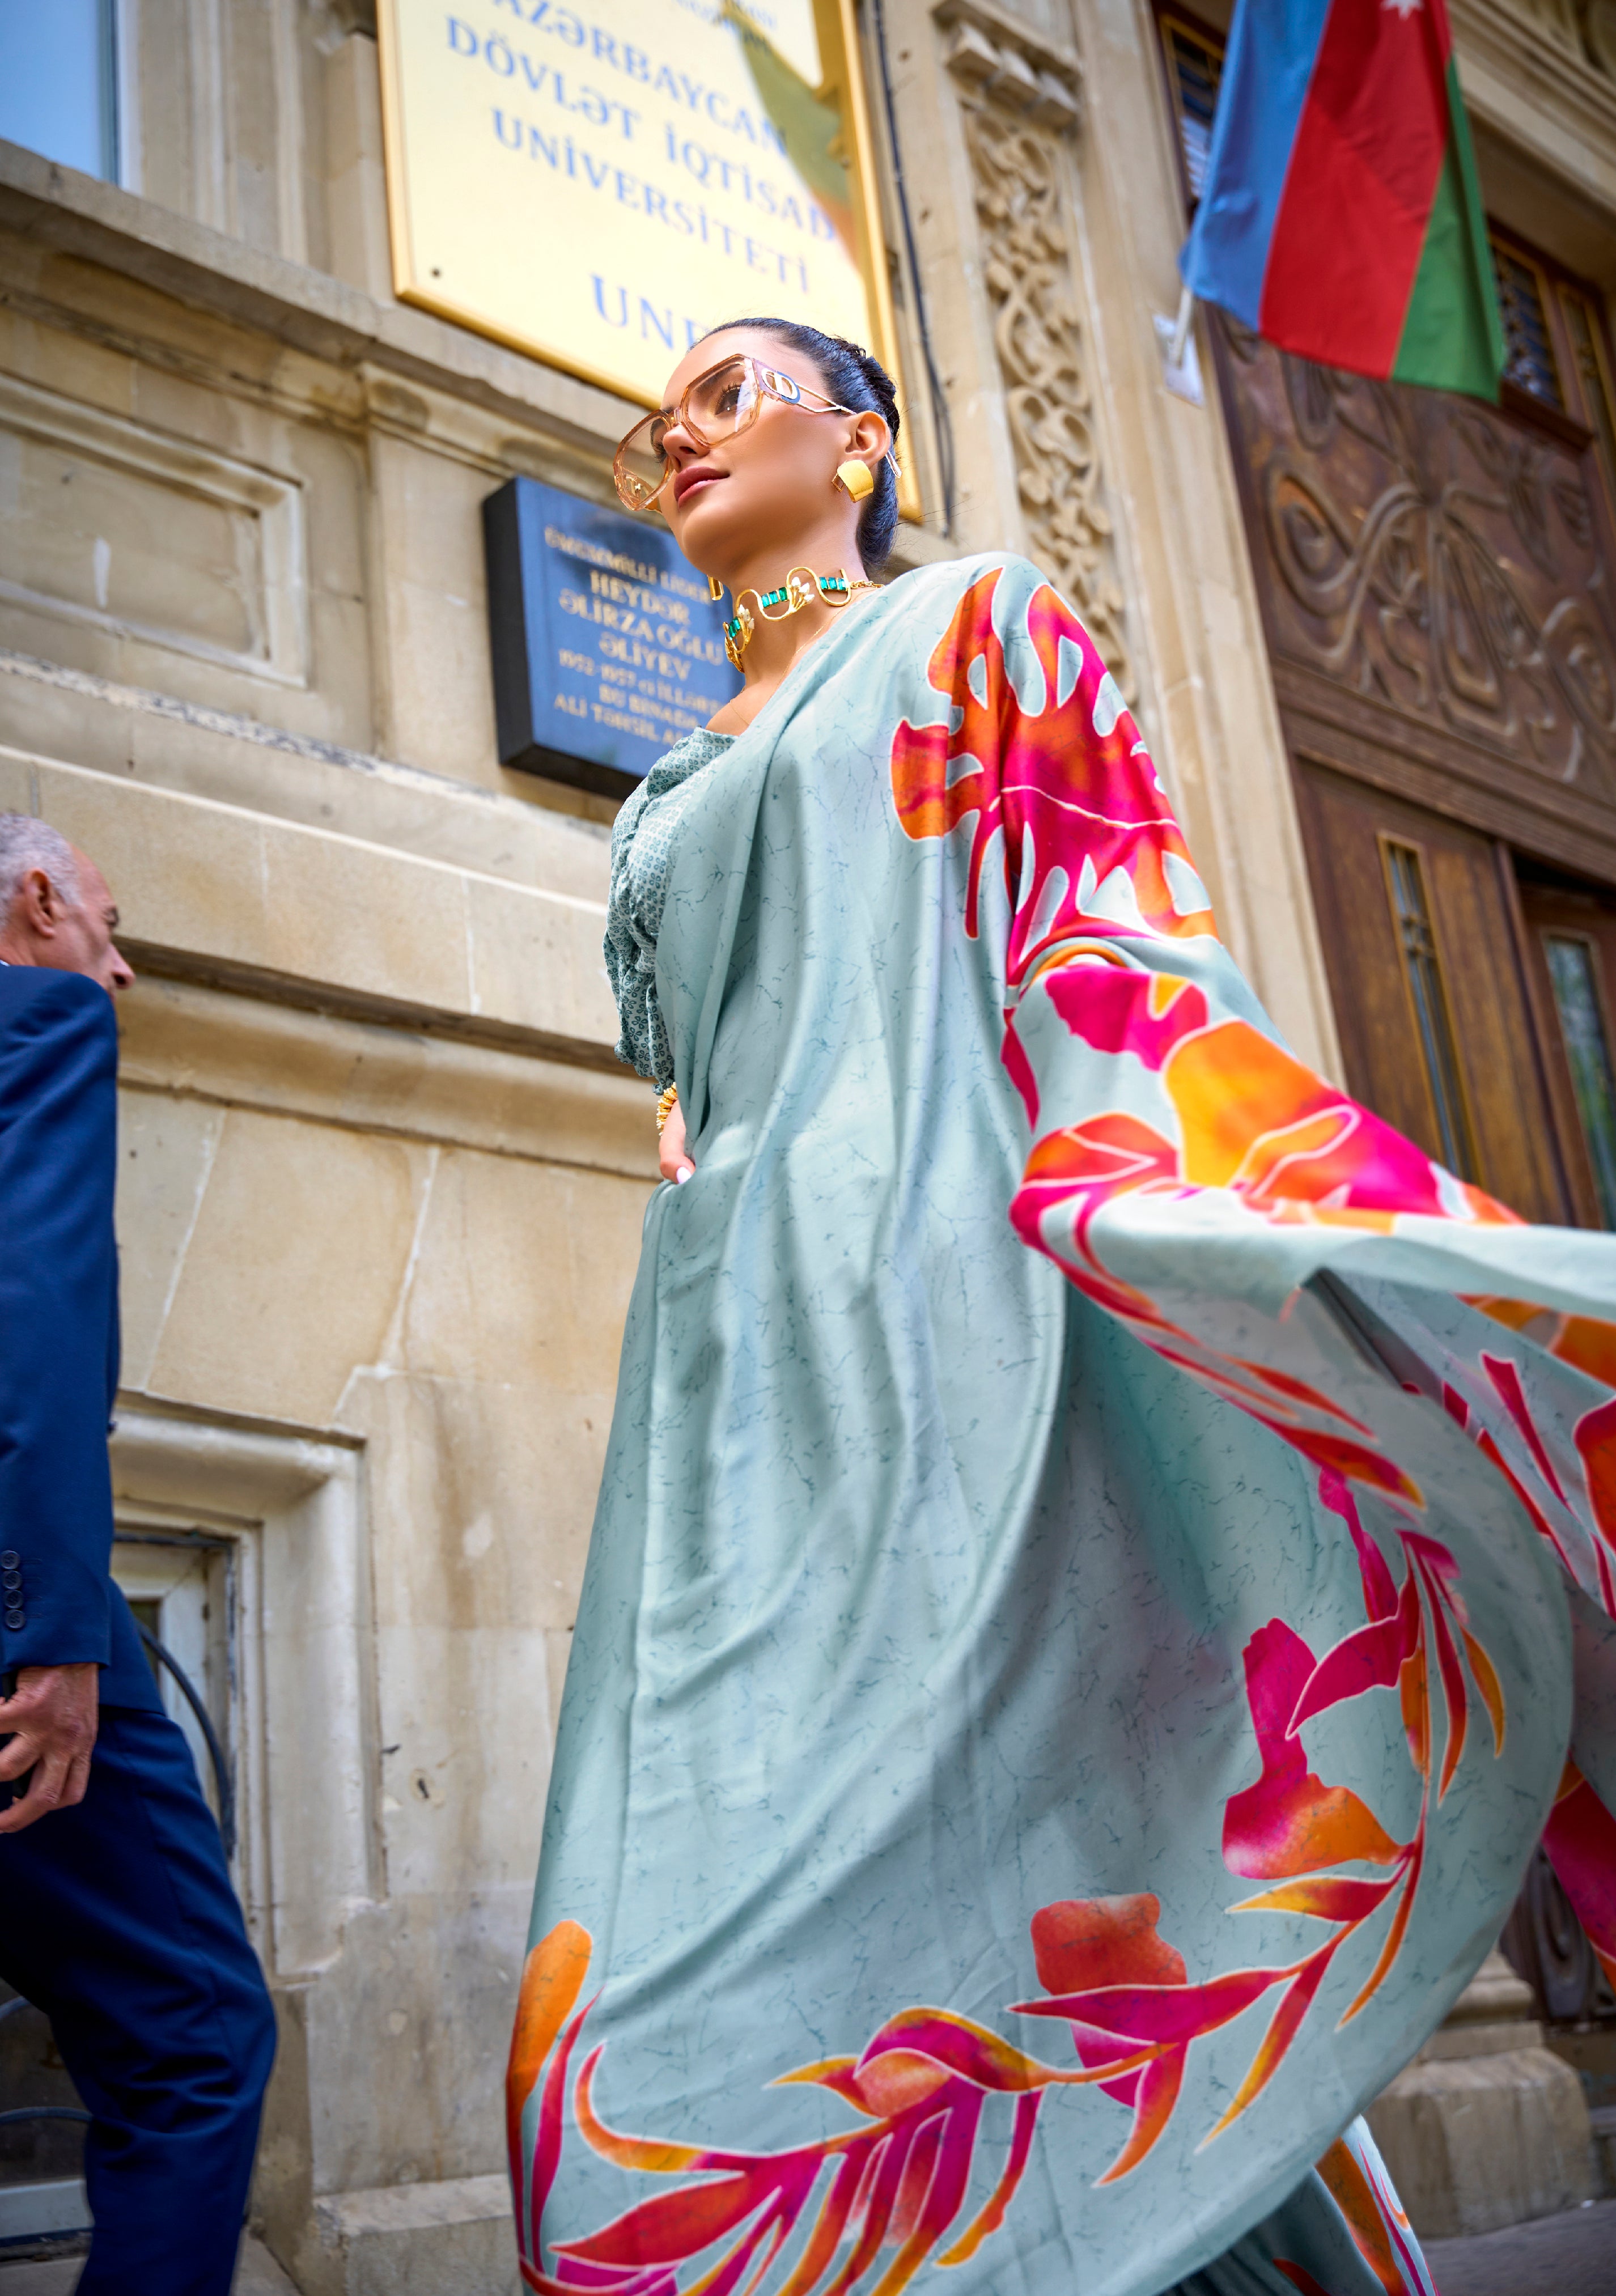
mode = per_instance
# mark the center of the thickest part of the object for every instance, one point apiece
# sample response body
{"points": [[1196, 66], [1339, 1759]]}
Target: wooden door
{"points": [[1436, 580], [1570, 936], [1436, 1015]]}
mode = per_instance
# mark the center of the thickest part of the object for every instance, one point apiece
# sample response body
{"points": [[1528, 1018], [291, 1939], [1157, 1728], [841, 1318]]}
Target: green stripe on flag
{"points": [[1453, 337]]}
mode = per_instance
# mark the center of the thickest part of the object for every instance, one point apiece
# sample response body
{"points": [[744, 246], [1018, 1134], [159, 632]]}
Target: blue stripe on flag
{"points": [[1273, 47]]}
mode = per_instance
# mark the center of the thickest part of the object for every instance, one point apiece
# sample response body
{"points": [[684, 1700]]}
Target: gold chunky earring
{"points": [[715, 589], [855, 479]]}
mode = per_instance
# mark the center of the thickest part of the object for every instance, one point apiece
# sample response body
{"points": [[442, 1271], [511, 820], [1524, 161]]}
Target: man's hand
{"points": [[54, 1715]]}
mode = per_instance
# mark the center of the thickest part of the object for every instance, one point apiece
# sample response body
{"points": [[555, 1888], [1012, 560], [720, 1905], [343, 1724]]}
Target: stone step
{"points": [[257, 2275], [1487, 2128]]}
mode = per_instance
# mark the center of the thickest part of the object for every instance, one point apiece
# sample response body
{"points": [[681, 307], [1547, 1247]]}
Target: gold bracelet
{"points": [[665, 1102]]}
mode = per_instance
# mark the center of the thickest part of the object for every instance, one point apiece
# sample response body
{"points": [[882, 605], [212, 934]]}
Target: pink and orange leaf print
{"points": [[1110, 958], [874, 2204], [1580, 1838], [1110, 925], [1381, 2231], [869, 2207], [1287, 1827]]}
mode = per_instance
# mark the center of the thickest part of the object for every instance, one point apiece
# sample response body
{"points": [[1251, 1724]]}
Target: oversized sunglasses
{"points": [[716, 405]]}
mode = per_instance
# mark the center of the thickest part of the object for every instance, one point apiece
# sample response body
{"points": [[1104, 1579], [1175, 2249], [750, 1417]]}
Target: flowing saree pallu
{"points": [[1103, 1571]]}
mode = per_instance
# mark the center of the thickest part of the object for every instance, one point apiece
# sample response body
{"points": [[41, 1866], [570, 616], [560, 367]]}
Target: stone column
{"points": [[1018, 98], [1487, 2126]]}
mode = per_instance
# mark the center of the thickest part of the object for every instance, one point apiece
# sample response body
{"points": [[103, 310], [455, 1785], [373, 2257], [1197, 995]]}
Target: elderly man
{"points": [[116, 1917]]}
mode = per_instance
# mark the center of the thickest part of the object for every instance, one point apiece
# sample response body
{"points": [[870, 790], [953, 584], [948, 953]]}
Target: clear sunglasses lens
{"points": [[724, 401], [640, 469], [719, 404]]}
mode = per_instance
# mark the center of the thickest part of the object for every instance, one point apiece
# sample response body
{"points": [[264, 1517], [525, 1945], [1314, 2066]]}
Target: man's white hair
{"points": [[28, 844]]}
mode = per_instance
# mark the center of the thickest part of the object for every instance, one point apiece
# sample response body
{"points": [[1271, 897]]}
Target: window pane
{"points": [[1582, 323], [1531, 354], [1196, 66], [1571, 967], [1423, 970], [56, 81]]}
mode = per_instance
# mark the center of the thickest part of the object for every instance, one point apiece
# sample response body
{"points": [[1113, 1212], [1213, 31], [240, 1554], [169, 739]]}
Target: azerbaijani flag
{"points": [[1342, 217]]}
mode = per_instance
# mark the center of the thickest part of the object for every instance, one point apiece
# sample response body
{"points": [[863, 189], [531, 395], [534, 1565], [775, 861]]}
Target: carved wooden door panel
{"points": [[1436, 578], [1436, 583], [1440, 1044]]}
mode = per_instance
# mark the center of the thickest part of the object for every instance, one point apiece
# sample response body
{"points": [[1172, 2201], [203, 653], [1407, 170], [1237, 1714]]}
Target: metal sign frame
{"points": [[842, 84]]}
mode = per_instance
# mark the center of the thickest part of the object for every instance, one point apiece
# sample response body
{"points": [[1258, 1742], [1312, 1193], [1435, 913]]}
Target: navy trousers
{"points": [[118, 1919]]}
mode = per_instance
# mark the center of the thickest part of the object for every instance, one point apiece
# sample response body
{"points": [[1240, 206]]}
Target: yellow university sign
{"points": [[599, 183]]}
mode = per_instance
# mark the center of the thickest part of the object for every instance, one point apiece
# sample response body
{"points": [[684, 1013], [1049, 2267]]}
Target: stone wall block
{"points": [[181, 1038], [464, 1794], [208, 884], [16, 784], [431, 612], [523, 1276], [1479, 2143], [415, 2241], [392, 932], [539, 962], [482, 1496], [292, 1214], [165, 1151], [1487, 2126], [356, 190], [189, 876]]}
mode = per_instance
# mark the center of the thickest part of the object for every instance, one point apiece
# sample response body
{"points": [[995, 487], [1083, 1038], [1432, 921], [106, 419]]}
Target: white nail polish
{"points": [[689, 1173]]}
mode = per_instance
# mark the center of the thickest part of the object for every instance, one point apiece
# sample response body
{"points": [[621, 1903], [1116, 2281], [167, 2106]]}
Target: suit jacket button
{"points": [[11, 1560], [11, 1580], [16, 1618]]}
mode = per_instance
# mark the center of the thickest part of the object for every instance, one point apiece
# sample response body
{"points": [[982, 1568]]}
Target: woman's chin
{"points": [[701, 527]]}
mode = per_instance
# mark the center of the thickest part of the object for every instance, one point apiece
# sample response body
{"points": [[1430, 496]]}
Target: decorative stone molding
{"points": [[232, 590], [305, 1736], [992, 55], [1599, 34], [1022, 203], [1573, 79], [1558, 18], [346, 17], [1584, 28]]}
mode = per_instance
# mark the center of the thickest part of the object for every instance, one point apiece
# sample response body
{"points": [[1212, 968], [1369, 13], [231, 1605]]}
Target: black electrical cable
{"points": [[942, 422], [216, 1752]]}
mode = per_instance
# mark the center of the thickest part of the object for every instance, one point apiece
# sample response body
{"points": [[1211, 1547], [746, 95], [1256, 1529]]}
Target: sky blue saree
{"points": [[1104, 1570]]}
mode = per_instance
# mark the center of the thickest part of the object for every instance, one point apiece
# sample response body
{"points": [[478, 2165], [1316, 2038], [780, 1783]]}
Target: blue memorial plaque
{"points": [[607, 648]]}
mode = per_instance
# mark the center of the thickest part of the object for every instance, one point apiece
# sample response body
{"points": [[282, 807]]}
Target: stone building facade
{"points": [[381, 1176]]}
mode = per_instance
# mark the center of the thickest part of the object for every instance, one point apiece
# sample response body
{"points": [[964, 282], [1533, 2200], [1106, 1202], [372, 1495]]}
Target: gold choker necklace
{"points": [[799, 589]]}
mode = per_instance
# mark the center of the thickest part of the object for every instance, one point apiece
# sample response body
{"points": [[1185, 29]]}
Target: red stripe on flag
{"points": [[1359, 187]]}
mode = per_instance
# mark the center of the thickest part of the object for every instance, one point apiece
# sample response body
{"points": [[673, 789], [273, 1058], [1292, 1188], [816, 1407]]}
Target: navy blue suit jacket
{"points": [[58, 1332]]}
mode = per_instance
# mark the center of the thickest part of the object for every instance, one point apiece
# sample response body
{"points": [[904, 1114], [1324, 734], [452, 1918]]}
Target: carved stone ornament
{"points": [[1584, 28], [991, 54], [1429, 553], [1006, 77], [1599, 34]]}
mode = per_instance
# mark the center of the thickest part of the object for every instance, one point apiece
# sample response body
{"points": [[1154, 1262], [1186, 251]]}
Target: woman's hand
{"points": [[675, 1164]]}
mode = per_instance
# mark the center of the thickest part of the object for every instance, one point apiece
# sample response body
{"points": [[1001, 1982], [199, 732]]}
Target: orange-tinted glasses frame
{"points": [[769, 381]]}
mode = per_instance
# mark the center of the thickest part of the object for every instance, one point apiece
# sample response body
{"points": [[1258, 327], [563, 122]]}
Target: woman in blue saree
{"points": [[1103, 1574]]}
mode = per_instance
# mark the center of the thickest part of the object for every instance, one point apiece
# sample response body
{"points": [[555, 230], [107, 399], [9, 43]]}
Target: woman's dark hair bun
{"points": [[854, 378]]}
